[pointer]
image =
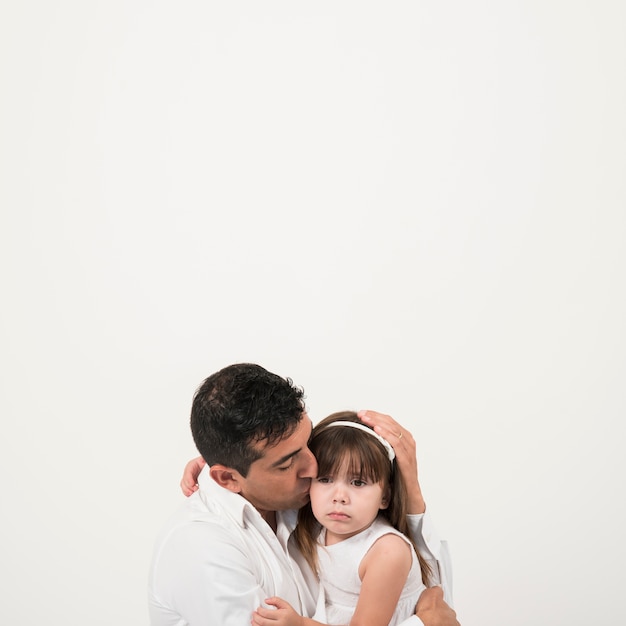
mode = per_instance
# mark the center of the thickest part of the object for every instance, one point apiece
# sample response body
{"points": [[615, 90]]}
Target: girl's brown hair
{"points": [[367, 458]]}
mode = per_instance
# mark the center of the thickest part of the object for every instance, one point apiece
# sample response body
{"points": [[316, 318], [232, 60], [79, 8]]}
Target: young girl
{"points": [[354, 533]]}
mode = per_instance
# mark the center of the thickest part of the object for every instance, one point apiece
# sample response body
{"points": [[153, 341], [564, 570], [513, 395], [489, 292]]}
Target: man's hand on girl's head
{"points": [[403, 445]]}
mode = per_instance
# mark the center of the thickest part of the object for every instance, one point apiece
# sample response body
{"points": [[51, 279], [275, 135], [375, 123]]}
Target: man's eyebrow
{"points": [[285, 458]]}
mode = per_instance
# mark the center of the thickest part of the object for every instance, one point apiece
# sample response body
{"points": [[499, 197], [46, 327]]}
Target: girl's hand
{"points": [[282, 615], [403, 445], [189, 482]]}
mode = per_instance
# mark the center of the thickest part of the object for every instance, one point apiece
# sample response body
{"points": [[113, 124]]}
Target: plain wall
{"points": [[410, 207]]}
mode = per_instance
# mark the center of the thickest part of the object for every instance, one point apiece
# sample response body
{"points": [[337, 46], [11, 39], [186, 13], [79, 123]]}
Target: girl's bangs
{"points": [[365, 457]]}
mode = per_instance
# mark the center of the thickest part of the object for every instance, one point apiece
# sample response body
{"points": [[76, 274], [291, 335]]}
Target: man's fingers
{"points": [[388, 428], [430, 596], [432, 609]]}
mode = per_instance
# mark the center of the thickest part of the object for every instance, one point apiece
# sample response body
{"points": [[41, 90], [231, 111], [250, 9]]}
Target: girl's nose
{"points": [[339, 496]]}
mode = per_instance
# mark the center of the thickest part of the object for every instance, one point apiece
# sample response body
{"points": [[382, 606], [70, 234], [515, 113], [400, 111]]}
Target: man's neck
{"points": [[270, 518]]}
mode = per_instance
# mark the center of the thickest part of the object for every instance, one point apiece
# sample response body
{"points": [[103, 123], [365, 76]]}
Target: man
{"points": [[229, 546]]}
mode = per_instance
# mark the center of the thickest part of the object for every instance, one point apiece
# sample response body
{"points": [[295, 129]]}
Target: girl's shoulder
{"points": [[382, 528], [391, 548], [387, 540]]}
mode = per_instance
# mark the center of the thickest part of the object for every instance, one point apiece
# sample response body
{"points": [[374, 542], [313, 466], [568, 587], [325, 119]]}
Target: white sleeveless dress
{"points": [[339, 577]]}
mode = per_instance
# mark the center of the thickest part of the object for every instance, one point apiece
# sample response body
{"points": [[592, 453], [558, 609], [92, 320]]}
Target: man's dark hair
{"points": [[239, 406]]}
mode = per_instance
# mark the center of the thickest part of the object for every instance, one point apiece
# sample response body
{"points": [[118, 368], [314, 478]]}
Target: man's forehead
{"points": [[290, 437]]}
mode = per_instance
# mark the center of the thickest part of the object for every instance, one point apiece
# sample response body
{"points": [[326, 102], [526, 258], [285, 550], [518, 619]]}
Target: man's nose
{"points": [[309, 469]]}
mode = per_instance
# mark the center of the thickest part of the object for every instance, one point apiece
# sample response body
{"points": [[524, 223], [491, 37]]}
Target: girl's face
{"points": [[346, 504]]}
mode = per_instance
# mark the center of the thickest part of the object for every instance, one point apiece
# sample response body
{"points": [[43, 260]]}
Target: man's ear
{"points": [[226, 477]]}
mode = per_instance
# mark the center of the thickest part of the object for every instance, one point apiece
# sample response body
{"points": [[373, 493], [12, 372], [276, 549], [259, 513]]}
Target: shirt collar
{"points": [[236, 506], [288, 519]]}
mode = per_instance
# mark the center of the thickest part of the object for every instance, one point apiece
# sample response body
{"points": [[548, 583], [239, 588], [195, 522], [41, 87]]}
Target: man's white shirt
{"points": [[217, 560]]}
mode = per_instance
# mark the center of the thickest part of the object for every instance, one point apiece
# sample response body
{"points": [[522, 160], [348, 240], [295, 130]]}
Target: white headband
{"points": [[390, 453]]}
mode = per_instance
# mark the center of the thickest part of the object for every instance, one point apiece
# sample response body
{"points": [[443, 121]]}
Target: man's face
{"points": [[281, 478]]}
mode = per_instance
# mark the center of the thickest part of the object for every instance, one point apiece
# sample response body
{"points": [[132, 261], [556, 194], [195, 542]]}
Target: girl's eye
{"points": [[358, 483], [323, 479]]}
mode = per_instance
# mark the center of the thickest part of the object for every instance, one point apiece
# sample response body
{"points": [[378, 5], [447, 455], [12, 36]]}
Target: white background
{"points": [[414, 207]]}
